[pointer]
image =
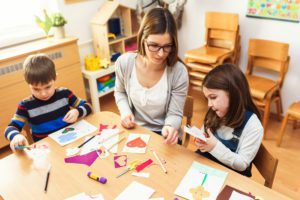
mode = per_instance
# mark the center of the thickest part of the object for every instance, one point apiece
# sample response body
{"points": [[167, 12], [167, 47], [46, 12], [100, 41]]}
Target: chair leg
{"points": [[295, 124], [282, 128], [266, 117], [279, 108]]}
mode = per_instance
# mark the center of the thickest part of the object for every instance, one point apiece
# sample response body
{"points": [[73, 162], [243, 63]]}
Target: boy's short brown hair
{"points": [[39, 69]]}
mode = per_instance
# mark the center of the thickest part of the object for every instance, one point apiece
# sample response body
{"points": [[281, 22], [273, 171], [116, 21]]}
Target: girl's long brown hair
{"points": [[231, 79]]}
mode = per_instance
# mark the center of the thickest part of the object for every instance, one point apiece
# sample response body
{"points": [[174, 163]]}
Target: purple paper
{"points": [[87, 159], [120, 161]]}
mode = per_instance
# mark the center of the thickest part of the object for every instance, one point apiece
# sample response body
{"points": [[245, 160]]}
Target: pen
{"points": [[47, 179], [158, 160], [22, 147]]}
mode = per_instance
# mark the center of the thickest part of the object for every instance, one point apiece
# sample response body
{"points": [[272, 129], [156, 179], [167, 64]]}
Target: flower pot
{"points": [[59, 32]]}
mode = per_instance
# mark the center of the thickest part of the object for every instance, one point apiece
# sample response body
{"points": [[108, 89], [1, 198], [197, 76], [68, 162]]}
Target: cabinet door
{"points": [[11, 95], [71, 78]]}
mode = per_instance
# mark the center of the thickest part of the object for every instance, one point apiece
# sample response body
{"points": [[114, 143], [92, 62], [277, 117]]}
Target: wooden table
{"points": [[20, 180]]}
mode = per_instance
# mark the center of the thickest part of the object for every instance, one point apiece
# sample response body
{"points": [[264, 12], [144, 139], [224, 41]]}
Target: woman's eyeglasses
{"points": [[156, 48]]}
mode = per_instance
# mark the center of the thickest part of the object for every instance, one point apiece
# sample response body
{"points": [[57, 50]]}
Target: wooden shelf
{"points": [[92, 77]]}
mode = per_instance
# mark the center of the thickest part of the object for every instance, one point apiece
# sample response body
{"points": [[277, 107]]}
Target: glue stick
{"points": [[96, 178]]}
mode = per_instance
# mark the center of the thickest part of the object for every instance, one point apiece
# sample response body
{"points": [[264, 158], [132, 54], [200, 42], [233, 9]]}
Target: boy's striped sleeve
{"points": [[17, 122], [81, 105]]}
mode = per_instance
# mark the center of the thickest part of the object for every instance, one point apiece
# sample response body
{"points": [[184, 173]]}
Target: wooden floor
{"points": [[287, 180]]}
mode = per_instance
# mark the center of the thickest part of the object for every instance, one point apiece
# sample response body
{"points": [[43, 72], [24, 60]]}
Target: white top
{"points": [[248, 146], [149, 103]]}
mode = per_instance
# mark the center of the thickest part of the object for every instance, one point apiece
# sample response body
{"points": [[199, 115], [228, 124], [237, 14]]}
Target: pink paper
{"points": [[104, 126], [87, 159]]}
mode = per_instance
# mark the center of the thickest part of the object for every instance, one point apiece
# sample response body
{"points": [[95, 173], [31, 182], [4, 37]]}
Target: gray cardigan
{"points": [[178, 83]]}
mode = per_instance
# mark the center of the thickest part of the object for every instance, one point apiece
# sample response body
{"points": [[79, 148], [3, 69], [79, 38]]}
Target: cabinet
{"points": [[117, 18], [91, 77], [13, 87]]}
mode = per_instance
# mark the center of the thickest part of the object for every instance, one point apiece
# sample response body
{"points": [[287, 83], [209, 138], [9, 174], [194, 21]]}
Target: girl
{"points": [[232, 123]]}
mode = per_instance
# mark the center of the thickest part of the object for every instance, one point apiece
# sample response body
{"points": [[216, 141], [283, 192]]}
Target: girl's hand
{"points": [[128, 121], [210, 143], [71, 116], [170, 134], [18, 140]]}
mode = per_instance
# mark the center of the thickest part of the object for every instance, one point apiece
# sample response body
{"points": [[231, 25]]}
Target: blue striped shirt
{"points": [[45, 117]]}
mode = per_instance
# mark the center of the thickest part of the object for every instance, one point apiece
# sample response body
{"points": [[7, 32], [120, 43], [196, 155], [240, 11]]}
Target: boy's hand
{"points": [[170, 134], [18, 140], [210, 143], [128, 121], [71, 116]]}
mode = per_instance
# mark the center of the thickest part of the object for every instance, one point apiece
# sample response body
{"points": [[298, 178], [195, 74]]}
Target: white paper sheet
{"points": [[136, 191], [194, 178], [195, 132], [144, 137], [81, 129]]}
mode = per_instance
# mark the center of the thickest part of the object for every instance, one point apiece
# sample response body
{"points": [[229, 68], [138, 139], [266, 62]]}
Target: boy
{"points": [[48, 109]]}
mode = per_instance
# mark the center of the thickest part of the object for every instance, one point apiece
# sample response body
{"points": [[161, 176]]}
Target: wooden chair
{"points": [[222, 44], [292, 113], [272, 57], [188, 113], [266, 164]]}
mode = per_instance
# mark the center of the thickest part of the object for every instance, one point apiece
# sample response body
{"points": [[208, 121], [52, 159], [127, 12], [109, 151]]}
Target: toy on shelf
{"points": [[105, 83], [95, 63], [111, 36]]}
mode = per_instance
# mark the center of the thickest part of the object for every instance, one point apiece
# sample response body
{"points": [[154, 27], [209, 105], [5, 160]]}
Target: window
{"points": [[17, 22]]}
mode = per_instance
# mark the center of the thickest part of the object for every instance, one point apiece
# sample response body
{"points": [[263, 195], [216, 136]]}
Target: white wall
{"points": [[192, 33], [79, 16]]}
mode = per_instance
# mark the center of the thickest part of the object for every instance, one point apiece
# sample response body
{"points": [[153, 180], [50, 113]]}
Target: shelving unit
{"points": [[105, 47], [91, 77]]}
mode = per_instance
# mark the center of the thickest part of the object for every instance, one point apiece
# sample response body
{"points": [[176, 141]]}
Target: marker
{"points": [[22, 147], [97, 178], [47, 179]]}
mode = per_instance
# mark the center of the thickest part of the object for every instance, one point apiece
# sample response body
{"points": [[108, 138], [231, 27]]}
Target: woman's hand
{"points": [[71, 116], [128, 121], [18, 140], [210, 143], [170, 134]]}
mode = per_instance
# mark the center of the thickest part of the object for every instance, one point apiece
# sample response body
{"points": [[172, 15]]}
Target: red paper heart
{"points": [[137, 142]]}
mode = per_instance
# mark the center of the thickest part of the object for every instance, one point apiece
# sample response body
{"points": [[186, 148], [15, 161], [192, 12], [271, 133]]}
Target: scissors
{"points": [[131, 166]]}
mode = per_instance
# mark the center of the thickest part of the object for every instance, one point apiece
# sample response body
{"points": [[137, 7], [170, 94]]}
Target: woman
{"points": [[232, 122], [152, 84]]}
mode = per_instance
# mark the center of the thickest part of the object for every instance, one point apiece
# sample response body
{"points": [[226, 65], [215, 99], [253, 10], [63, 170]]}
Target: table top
{"points": [[21, 179]]}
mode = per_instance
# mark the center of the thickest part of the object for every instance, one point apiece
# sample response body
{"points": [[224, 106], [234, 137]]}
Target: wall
{"points": [[79, 16], [192, 32], [193, 27]]}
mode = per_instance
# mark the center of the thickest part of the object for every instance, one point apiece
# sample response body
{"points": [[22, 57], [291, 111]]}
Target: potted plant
{"points": [[45, 23], [58, 22]]}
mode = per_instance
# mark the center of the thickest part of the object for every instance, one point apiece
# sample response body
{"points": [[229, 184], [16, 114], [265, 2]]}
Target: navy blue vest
{"points": [[232, 144]]}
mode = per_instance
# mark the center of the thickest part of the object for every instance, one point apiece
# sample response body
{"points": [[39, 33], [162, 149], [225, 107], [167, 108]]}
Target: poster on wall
{"points": [[286, 10]]}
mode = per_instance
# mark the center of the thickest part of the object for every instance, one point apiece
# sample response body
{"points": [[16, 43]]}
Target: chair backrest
{"points": [[188, 113], [269, 55], [266, 165], [222, 29]]}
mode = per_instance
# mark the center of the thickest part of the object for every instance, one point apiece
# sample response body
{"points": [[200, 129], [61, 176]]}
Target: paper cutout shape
{"points": [[137, 142], [81, 129], [199, 193], [86, 159], [66, 130], [102, 126], [195, 132], [120, 161], [104, 153]]}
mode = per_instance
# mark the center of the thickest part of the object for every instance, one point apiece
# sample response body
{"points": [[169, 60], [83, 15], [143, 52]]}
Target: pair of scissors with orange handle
{"points": [[131, 166]]}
